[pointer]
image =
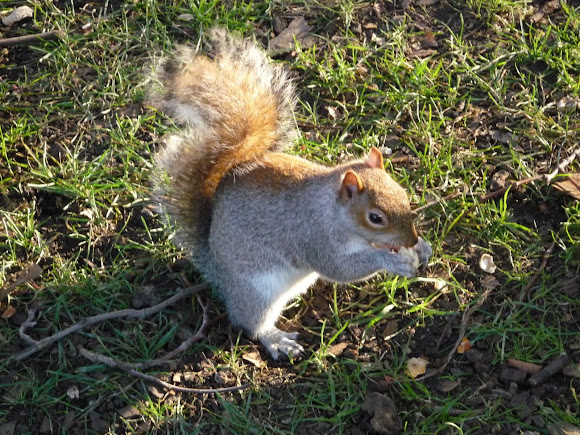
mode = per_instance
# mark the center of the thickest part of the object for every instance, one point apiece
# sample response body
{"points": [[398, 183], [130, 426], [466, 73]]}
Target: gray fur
{"points": [[261, 244]]}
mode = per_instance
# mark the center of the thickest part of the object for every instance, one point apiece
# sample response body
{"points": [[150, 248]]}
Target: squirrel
{"points": [[262, 226]]}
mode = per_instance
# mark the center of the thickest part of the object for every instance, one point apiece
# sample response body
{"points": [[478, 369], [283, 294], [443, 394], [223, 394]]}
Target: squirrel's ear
{"points": [[351, 184], [375, 159]]}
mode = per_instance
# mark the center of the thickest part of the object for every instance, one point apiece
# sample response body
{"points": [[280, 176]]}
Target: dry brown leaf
{"points": [[416, 367], [391, 327], [332, 112], [297, 31], [254, 358], [489, 282], [8, 312], [400, 157], [32, 272], [570, 185], [572, 370], [464, 346], [337, 349], [446, 385], [422, 53]]}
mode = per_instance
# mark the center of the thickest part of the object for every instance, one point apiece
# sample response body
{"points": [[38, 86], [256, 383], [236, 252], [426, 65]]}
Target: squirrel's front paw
{"points": [[408, 262], [424, 251], [276, 341]]}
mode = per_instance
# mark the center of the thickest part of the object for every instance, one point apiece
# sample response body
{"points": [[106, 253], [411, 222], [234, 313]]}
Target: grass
{"points": [[77, 143]]}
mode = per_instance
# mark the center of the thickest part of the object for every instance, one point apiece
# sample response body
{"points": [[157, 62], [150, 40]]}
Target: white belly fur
{"points": [[281, 286]]}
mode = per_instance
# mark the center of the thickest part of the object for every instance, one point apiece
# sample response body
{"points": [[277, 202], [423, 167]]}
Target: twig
{"points": [[562, 165], [547, 254], [115, 364], [88, 321], [546, 177], [550, 370], [466, 315], [183, 346], [513, 185], [28, 323], [31, 39], [32, 272], [527, 367]]}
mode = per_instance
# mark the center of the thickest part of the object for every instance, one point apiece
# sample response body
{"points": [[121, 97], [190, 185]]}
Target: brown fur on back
{"points": [[236, 106]]}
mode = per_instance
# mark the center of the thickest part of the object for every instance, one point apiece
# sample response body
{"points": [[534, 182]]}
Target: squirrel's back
{"points": [[235, 106]]}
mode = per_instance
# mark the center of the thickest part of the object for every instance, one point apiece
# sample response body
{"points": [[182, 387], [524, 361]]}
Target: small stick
{"points": [[33, 272], [88, 321], [562, 165], [115, 364], [545, 259], [550, 370], [31, 39], [28, 323], [527, 367], [186, 344], [513, 185]]}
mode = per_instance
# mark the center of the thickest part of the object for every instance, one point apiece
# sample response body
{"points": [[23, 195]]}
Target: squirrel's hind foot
{"points": [[277, 341]]}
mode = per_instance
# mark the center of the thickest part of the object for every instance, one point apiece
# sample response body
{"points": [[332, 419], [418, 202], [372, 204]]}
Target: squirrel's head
{"points": [[378, 206]]}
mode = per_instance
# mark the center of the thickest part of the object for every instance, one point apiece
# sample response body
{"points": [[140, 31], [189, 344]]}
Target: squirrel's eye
{"points": [[375, 218]]}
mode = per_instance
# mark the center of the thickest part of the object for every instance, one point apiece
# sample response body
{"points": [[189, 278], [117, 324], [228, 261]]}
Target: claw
{"points": [[276, 342], [424, 251]]}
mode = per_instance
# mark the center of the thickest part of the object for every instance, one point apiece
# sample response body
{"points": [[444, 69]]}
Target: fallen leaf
{"points": [[297, 31], [383, 412], [416, 367], [391, 327], [486, 263], [505, 137], [254, 358], [488, 282], [337, 349], [332, 112], [400, 157], [389, 379], [429, 40], [422, 53], [570, 185], [551, 6], [8, 312], [18, 14], [128, 412], [32, 272], [464, 346], [499, 180], [537, 17], [446, 385], [572, 370]]}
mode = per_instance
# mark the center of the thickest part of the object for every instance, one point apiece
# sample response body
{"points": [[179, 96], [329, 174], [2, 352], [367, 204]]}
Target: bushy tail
{"points": [[235, 106]]}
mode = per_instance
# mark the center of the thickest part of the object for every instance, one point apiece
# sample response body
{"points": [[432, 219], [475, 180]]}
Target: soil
{"points": [[477, 369]]}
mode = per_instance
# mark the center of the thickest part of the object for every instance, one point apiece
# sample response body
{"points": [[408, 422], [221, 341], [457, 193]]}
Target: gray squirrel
{"points": [[263, 226]]}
